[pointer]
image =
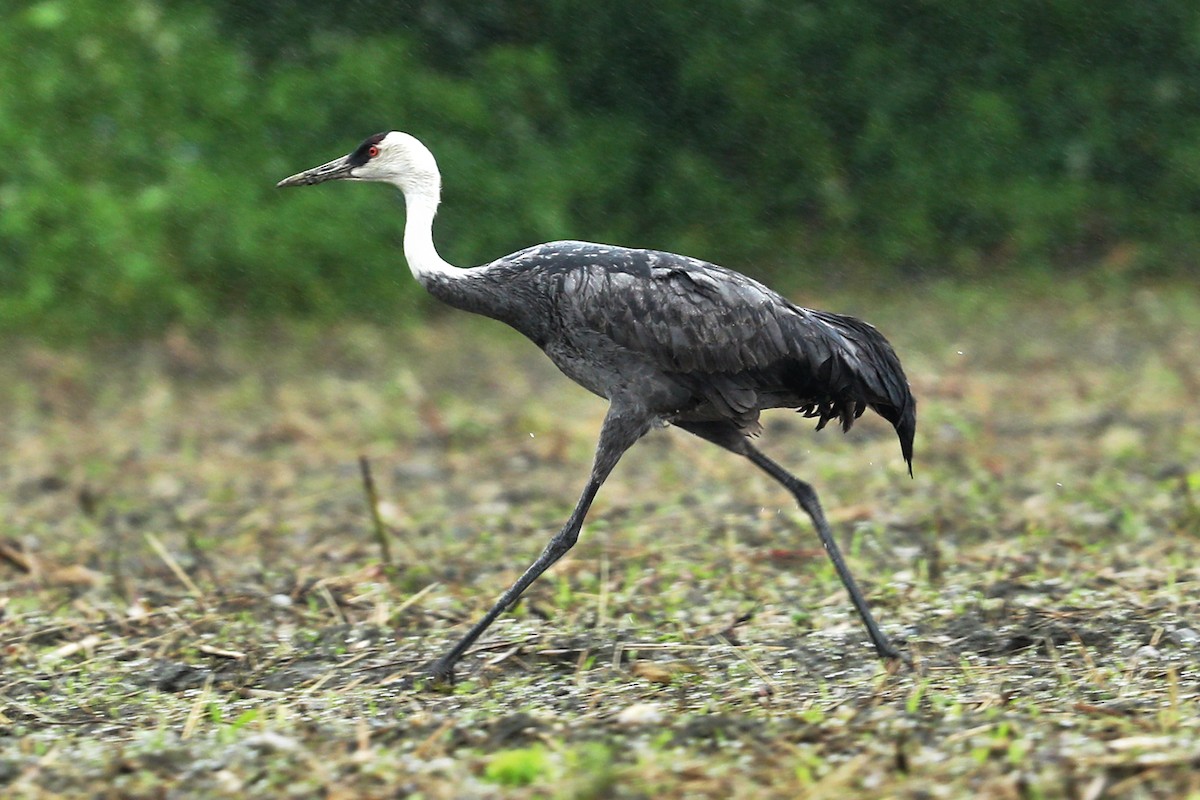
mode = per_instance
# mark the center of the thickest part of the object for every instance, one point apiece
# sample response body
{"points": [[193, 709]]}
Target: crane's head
{"points": [[395, 158]]}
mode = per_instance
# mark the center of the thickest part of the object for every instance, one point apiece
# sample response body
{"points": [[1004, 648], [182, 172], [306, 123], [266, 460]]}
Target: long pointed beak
{"points": [[337, 169]]}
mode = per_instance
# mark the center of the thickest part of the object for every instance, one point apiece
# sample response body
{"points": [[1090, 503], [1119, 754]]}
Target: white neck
{"points": [[423, 259]]}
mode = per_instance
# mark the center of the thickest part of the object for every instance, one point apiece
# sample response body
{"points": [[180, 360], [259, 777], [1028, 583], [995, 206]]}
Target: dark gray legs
{"points": [[623, 425], [732, 439]]}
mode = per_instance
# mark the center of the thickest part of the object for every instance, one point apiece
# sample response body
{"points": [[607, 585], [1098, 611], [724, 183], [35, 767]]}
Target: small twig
{"points": [[385, 551], [741, 653], [330, 601], [31, 711], [173, 565], [325, 677], [363, 739], [219, 652], [115, 541], [354, 684], [193, 717], [581, 663], [15, 557], [502, 657], [87, 644], [414, 598], [424, 750]]}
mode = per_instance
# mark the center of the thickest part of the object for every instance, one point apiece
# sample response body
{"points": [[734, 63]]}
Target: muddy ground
{"points": [[193, 600]]}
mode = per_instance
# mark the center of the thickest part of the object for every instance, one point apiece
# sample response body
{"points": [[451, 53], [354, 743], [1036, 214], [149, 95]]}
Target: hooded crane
{"points": [[666, 339]]}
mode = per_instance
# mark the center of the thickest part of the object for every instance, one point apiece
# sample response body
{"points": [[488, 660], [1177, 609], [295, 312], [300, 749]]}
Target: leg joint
{"points": [[562, 542]]}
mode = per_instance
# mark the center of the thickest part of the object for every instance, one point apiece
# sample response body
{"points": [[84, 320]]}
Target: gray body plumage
{"points": [[695, 341]]}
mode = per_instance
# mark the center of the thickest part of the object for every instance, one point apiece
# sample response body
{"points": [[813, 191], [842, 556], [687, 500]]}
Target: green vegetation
{"points": [[192, 601], [517, 767], [142, 140]]}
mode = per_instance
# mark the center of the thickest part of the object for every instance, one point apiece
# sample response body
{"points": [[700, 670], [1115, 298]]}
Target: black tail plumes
{"points": [[864, 371]]}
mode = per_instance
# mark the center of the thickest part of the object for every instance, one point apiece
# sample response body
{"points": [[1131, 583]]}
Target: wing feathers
{"points": [[737, 343]]}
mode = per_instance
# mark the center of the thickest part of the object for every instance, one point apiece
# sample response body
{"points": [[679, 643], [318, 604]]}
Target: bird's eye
{"points": [[372, 151]]}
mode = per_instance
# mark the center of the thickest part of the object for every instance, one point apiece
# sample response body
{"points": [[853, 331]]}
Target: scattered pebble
{"points": [[390, 512], [228, 781], [640, 714], [1184, 637], [1147, 653], [270, 742]]}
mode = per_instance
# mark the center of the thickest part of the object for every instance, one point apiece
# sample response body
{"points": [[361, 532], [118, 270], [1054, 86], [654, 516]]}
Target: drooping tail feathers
{"points": [[863, 371]]}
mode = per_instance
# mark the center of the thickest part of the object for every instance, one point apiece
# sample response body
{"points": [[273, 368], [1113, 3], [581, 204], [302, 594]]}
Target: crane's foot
{"points": [[436, 676], [892, 658]]}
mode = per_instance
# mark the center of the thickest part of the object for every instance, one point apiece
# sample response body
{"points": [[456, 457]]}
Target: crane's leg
{"points": [[624, 424], [734, 440]]}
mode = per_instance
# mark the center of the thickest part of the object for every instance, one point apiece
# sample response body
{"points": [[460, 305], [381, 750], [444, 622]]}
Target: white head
{"points": [[394, 157]]}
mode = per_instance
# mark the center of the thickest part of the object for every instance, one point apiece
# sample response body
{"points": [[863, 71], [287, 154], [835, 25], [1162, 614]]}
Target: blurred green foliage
{"points": [[142, 140]]}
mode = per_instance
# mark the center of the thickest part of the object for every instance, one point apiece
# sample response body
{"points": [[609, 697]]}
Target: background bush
{"points": [[142, 141]]}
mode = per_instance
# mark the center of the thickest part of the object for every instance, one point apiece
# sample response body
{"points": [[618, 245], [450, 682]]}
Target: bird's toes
{"points": [[433, 677], [894, 661]]}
